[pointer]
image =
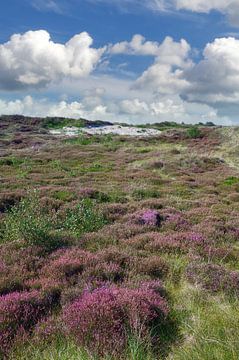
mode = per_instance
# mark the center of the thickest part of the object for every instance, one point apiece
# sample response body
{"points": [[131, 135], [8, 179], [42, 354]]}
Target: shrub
{"points": [[214, 278], [47, 330], [101, 320], [150, 218], [83, 218], [19, 312], [175, 221], [105, 272], [141, 194], [153, 266], [9, 199], [34, 224], [114, 255], [31, 223], [65, 264], [194, 132], [145, 217], [17, 266]]}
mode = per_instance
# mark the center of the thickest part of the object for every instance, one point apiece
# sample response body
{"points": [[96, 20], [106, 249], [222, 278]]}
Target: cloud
{"points": [[137, 46], [47, 5], [154, 109], [168, 52], [34, 60], [204, 6], [43, 107], [134, 111], [127, 5], [229, 8], [173, 87], [215, 79], [165, 76]]}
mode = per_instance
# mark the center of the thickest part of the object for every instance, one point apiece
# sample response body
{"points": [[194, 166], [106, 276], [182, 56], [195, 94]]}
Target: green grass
{"points": [[231, 181], [63, 349], [209, 327], [141, 194]]}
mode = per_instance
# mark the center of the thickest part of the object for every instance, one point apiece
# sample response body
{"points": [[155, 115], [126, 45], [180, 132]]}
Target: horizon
{"points": [[105, 122], [170, 61]]}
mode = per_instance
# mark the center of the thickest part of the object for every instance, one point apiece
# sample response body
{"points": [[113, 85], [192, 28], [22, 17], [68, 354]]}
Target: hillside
{"points": [[117, 247]]}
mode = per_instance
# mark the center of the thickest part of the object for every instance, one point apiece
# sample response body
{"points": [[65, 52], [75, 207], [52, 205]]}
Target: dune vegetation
{"points": [[118, 248]]}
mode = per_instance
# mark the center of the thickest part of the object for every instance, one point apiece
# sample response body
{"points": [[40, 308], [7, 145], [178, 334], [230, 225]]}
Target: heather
{"points": [[118, 248], [101, 320]]}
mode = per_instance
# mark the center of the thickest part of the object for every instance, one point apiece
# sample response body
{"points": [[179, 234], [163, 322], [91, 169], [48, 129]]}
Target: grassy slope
{"points": [[170, 171]]}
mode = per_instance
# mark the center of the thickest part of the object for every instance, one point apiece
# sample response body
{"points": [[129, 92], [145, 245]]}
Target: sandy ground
{"points": [[102, 130]]}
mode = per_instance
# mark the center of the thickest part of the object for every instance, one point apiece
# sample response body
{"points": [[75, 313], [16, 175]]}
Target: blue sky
{"points": [[122, 60]]}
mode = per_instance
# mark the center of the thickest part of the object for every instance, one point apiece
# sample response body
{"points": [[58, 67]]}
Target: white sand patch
{"points": [[66, 131], [108, 129], [121, 130]]}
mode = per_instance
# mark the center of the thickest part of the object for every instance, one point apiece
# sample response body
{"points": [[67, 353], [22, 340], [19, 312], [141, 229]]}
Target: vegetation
{"points": [[117, 248], [194, 132]]}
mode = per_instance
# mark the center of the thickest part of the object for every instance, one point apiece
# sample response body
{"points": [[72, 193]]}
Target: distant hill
{"points": [[26, 123]]}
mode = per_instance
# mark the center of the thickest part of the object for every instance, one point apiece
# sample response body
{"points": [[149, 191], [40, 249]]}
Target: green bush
{"points": [[194, 132], [83, 218], [29, 222], [232, 180], [32, 224]]}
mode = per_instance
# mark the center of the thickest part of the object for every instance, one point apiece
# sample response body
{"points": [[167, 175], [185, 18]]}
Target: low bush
{"points": [[102, 320], [19, 312], [141, 194], [194, 132], [214, 278], [29, 222], [153, 266], [83, 218], [34, 224]]}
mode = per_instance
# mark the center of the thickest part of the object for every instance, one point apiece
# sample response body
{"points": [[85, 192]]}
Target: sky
{"points": [[134, 61]]}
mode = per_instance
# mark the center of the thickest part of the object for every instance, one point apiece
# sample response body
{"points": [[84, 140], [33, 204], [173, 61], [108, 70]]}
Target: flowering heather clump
{"points": [[11, 279], [47, 329], [111, 235], [221, 253], [114, 211], [104, 272], [153, 266], [150, 218], [166, 243], [214, 278], [139, 242], [102, 319], [49, 286], [176, 241], [19, 312], [145, 283], [18, 266], [114, 255], [67, 263], [87, 193], [176, 221], [197, 214], [147, 218]]}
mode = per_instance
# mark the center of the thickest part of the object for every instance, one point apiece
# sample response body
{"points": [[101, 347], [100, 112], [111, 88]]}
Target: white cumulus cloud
{"points": [[165, 76], [34, 60], [216, 77]]}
